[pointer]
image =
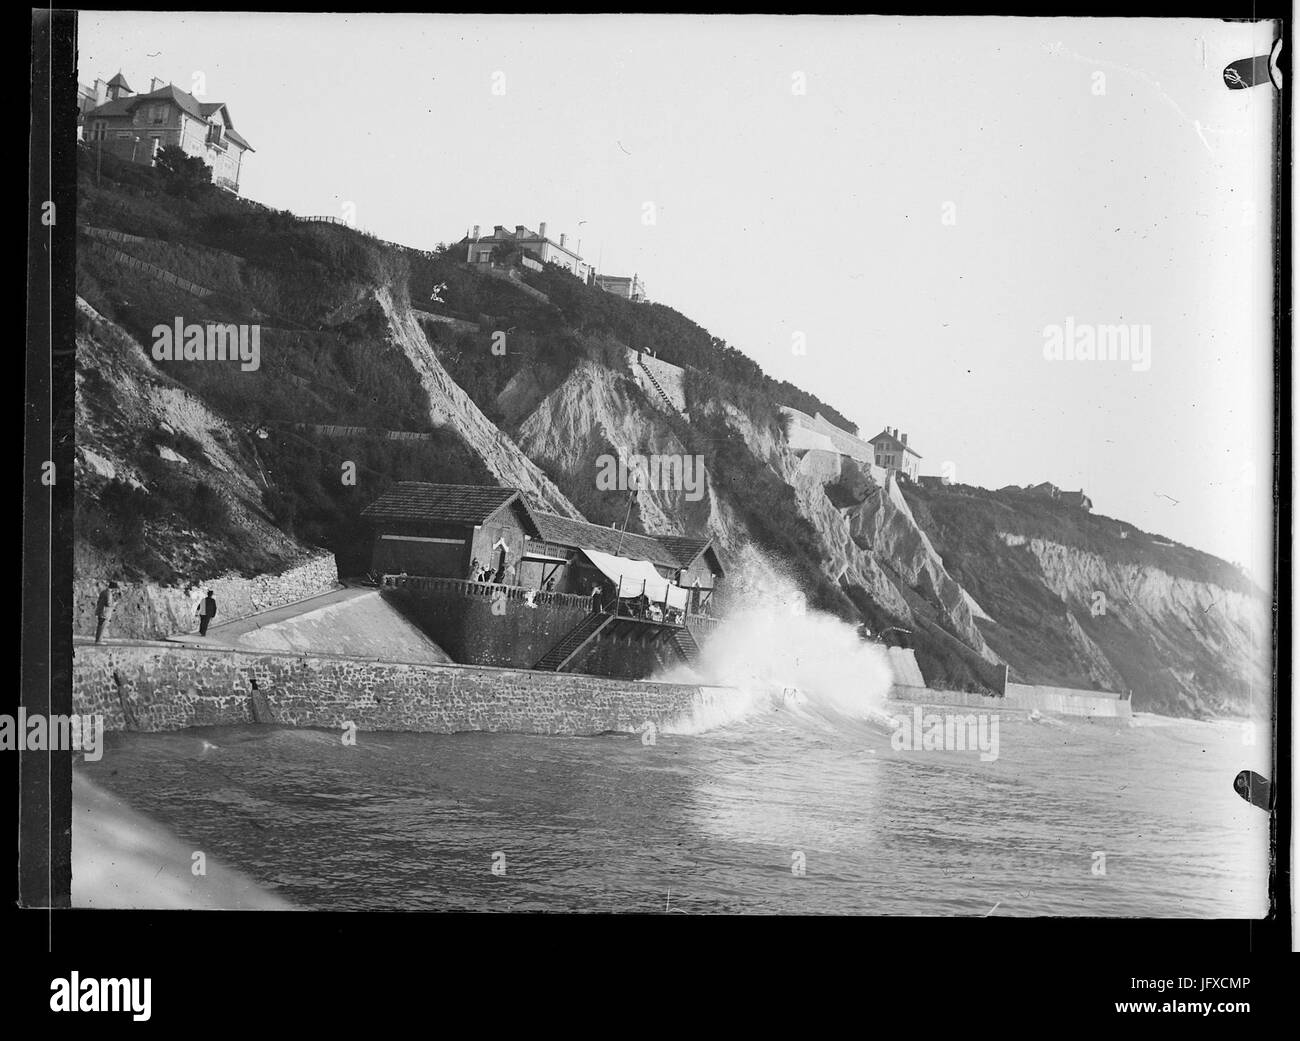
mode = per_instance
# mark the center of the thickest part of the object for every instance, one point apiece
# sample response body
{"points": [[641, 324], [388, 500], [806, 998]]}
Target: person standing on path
{"points": [[104, 609], [208, 611], [194, 594]]}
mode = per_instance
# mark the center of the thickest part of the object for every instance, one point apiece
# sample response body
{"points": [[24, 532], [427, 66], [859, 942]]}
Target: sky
{"points": [[891, 213]]}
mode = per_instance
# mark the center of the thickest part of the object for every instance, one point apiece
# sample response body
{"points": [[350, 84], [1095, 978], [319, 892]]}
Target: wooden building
{"points": [[440, 530]]}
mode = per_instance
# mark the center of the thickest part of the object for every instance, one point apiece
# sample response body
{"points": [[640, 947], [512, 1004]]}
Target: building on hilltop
{"points": [[491, 249], [1079, 499], [135, 126], [933, 481], [1044, 490], [893, 453], [620, 285]]}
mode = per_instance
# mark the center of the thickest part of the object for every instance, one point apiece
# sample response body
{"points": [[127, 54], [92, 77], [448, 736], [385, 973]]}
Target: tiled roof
{"points": [[684, 548], [186, 102], [119, 81], [566, 532], [439, 503]]}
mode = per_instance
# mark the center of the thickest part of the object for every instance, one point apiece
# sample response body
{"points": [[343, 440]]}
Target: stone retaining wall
{"points": [[159, 686], [146, 611], [1096, 704]]}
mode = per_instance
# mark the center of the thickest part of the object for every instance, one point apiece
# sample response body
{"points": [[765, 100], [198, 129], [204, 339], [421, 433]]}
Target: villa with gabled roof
{"points": [[135, 126]]}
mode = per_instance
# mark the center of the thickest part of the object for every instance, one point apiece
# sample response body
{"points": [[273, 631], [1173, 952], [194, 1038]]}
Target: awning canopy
{"points": [[631, 574]]}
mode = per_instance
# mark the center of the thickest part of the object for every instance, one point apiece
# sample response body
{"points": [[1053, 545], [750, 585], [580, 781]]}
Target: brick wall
{"points": [[146, 611], [156, 687]]}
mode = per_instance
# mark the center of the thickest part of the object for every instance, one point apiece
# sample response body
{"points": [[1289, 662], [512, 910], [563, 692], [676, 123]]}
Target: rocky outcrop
{"points": [[875, 544], [594, 410]]}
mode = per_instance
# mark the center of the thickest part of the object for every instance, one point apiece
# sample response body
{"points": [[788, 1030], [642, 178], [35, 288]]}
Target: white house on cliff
{"points": [[893, 453]]}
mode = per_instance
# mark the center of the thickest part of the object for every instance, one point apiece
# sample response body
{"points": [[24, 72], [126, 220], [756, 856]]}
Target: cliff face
{"points": [[137, 430], [450, 405], [978, 578], [876, 548], [595, 412], [1080, 600], [868, 541]]}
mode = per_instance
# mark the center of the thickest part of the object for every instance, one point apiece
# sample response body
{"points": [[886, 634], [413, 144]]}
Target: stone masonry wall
{"points": [[146, 611], [154, 687]]}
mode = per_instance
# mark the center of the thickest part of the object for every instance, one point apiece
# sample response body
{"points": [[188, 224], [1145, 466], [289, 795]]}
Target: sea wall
{"points": [[147, 611], [907, 673], [488, 624], [1090, 704], [1069, 701], [162, 686]]}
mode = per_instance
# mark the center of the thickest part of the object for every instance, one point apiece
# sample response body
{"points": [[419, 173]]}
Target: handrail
{"points": [[486, 590], [490, 590]]}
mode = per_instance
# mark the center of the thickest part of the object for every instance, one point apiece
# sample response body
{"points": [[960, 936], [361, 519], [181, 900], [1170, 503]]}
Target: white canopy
{"points": [[633, 573]]}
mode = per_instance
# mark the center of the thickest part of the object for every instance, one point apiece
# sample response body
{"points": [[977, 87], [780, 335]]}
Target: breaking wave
{"points": [[774, 653]]}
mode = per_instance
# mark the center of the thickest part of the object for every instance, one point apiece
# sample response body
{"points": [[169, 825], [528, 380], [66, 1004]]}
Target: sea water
{"points": [[788, 792]]}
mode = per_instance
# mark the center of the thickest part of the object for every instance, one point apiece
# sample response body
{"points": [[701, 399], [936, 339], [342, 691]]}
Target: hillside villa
{"points": [[135, 126], [485, 250]]}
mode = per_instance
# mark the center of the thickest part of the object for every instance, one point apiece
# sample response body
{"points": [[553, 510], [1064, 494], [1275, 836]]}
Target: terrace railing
{"points": [[485, 590]]}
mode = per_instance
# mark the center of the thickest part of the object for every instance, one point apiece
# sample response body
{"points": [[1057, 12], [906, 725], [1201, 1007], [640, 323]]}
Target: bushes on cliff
{"points": [[182, 174]]}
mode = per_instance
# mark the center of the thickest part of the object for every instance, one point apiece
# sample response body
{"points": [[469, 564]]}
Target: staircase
{"points": [[655, 383], [686, 646], [573, 641]]}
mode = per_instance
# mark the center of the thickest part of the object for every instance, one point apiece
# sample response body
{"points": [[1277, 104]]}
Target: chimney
{"points": [[562, 238], [520, 230], [101, 92], [904, 440], [498, 230], [475, 232], [541, 229], [156, 84]]}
